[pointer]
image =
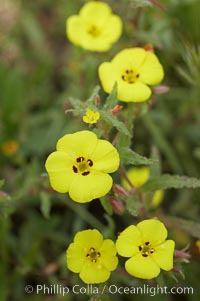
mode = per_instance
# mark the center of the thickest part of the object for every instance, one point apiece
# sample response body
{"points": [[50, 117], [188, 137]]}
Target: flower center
{"points": [[82, 166], [146, 249], [93, 255], [130, 76], [94, 31]]}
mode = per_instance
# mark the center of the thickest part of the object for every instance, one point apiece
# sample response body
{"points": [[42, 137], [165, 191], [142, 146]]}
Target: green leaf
{"points": [[128, 156], [45, 205], [76, 103], [192, 228], [128, 116], [171, 181], [91, 99], [111, 100], [106, 205], [114, 122], [155, 168], [133, 205], [1, 183]]}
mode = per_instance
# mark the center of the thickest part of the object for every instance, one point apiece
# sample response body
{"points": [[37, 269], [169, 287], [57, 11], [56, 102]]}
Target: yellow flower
{"points": [[138, 176], [147, 247], [95, 28], [197, 243], [91, 256], [134, 69], [80, 166], [91, 117], [10, 148]]}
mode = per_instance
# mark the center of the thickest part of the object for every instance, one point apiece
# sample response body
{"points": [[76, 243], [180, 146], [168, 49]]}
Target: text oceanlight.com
{"points": [[58, 289]]}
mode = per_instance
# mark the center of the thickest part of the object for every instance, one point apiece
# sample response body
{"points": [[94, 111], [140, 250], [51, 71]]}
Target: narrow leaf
{"points": [[191, 227], [114, 122], [112, 100], [171, 181], [1, 183], [106, 205], [45, 205], [128, 156]]}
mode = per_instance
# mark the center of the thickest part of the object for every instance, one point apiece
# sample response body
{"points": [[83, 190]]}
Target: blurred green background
{"points": [[39, 71]]}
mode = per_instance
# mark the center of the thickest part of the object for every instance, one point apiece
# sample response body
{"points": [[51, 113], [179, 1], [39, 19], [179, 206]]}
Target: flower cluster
{"points": [[82, 163], [94, 258]]}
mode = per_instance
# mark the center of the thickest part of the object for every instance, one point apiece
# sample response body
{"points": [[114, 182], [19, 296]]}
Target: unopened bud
{"points": [[182, 254], [120, 190], [97, 100], [117, 206], [149, 47], [116, 109], [160, 89]]}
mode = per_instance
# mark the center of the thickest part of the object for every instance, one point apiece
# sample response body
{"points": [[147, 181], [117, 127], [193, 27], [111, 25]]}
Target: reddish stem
{"points": [[155, 2]]}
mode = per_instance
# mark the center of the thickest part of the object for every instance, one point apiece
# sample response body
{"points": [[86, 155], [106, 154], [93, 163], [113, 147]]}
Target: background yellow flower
{"points": [[91, 256], [138, 176], [134, 70], [95, 28], [147, 247], [81, 165]]}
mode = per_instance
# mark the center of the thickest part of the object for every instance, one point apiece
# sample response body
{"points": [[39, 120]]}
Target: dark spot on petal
{"points": [[75, 169], [80, 159], [85, 173], [90, 163]]}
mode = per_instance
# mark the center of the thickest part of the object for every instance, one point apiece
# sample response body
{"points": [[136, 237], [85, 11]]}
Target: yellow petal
{"points": [[137, 176], [157, 198], [136, 92], [112, 32], [107, 76], [89, 239], [79, 144], [151, 72], [75, 29], [105, 157], [152, 231], [142, 267], [94, 273], [75, 257], [59, 168], [95, 12], [128, 241], [129, 58], [163, 255], [108, 255], [86, 188]]}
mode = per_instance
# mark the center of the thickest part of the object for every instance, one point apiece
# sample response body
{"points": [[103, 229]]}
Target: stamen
{"points": [[80, 159], [90, 163], [93, 255], [85, 173], [137, 75], [140, 248], [75, 169], [147, 243]]}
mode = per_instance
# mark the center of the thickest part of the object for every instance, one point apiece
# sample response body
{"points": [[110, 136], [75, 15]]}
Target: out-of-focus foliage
{"points": [[42, 78]]}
